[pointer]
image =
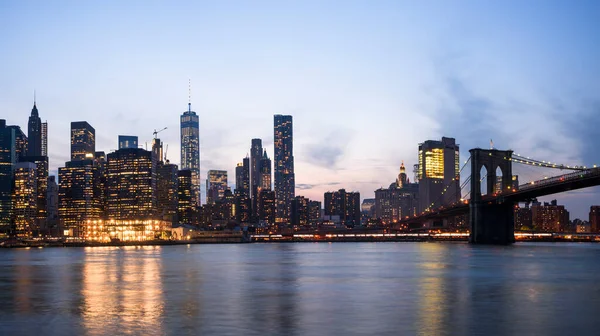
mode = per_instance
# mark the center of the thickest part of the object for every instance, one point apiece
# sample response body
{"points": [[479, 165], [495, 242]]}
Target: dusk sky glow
{"points": [[365, 81]]}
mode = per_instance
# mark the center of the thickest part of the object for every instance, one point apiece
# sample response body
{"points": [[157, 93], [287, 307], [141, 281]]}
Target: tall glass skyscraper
{"points": [[8, 159], [190, 149], [285, 189]]}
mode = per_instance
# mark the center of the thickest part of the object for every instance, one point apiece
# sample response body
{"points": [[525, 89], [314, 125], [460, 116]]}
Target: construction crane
{"points": [[156, 132]]}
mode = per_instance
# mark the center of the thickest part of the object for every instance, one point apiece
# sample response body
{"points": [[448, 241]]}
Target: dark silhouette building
{"points": [[397, 201], [300, 211], [266, 206], [242, 191], [595, 218], [83, 141], [185, 201], [128, 141], [167, 188], [314, 212], [34, 133], [21, 142], [284, 166], [256, 155], [549, 217]]}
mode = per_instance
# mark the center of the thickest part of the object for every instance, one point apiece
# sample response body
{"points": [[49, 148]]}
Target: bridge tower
{"points": [[492, 222]]}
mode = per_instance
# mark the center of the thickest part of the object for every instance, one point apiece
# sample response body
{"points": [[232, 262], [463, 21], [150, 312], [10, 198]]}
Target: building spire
{"points": [[33, 97], [189, 95]]}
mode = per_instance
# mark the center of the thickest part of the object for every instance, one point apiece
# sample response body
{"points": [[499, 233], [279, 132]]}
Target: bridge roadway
{"points": [[572, 181]]}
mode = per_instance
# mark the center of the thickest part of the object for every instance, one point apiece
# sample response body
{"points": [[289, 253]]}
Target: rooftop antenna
{"points": [[189, 95]]}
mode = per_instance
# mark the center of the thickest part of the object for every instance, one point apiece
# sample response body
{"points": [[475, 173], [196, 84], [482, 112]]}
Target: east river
{"points": [[302, 289]]}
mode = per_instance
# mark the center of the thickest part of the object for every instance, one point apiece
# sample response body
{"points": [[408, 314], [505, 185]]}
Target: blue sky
{"points": [[366, 81]]}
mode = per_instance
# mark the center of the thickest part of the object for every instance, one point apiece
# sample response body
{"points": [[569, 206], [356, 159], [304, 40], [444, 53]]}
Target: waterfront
{"points": [[302, 289]]}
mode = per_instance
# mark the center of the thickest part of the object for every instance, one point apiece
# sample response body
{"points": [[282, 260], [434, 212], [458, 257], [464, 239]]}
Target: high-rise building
{"points": [[190, 149], [83, 141], [52, 205], [100, 181], [8, 159], [266, 206], [285, 189], [523, 218], [131, 185], [242, 191], [299, 211], [128, 141], [76, 200], [595, 218], [166, 191], [314, 212], [21, 142], [157, 150], [44, 139], [438, 170], [41, 163], [185, 201], [549, 217], [216, 184], [344, 204], [25, 198], [256, 155], [34, 133], [265, 172]]}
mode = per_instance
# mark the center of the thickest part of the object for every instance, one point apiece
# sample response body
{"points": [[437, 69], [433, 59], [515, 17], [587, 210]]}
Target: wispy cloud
{"points": [[329, 150]]}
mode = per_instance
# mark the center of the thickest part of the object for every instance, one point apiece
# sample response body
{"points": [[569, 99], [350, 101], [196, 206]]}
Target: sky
{"points": [[365, 81]]}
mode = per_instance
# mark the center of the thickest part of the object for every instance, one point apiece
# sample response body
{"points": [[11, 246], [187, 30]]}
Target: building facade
{"points": [[167, 188], [300, 211], [130, 185], [549, 217], [190, 149], [21, 142], [34, 133], [266, 206], [41, 163], [595, 218], [128, 141], [186, 203], [398, 201], [8, 159], [314, 212], [216, 185], [285, 183], [83, 141], [25, 208], [438, 173], [344, 204]]}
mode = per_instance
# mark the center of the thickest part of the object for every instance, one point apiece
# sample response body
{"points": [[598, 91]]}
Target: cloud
{"points": [[308, 186], [329, 151]]}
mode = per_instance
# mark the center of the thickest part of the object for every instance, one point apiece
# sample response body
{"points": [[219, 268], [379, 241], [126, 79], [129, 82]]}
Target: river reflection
{"points": [[302, 289]]}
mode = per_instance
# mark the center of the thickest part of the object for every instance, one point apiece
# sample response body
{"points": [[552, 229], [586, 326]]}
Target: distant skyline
{"points": [[364, 81]]}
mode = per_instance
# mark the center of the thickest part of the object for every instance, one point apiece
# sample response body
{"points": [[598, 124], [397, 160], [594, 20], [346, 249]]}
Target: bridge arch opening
{"points": [[483, 172], [499, 183]]}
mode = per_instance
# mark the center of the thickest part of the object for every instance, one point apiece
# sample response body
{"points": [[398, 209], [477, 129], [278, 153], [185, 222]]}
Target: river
{"points": [[302, 289]]}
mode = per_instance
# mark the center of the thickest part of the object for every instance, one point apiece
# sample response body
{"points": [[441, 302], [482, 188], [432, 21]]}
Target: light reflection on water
{"points": [[302, 289]]}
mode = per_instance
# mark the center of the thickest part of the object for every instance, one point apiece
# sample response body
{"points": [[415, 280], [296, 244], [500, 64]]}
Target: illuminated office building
{"points": [[344, 204], [76, 200], [130, 184], [314, 212], [8, 158], [284, 166], [190, 149], [265, 172], [41, 163], [216, 185], [21, 142], [83, 141], [266, 206], [167, 185], [438, 169], [25, 198], [128, 141], [34, 133], [185, 201]]}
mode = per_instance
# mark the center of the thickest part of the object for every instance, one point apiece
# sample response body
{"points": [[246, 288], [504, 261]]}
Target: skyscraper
{"points": [[25, 198], [166, 191], [242, 177], [44, 139], [216, 184], [265, 172], [8, 159], [438, 170], [41, 171], [344, 204], [76, 200], [21, 142], [256, 155], [83, 141], [34, 133], [300, 211], [284, 167], [128, 141], [131, 184], [190, 149], [185, 201]]}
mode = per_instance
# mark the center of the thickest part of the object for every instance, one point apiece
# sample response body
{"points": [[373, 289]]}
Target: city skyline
{"points": [[472, 80]]}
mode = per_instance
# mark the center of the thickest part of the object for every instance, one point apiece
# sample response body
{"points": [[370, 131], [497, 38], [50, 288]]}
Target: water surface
{"points": [[302, 289]]}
